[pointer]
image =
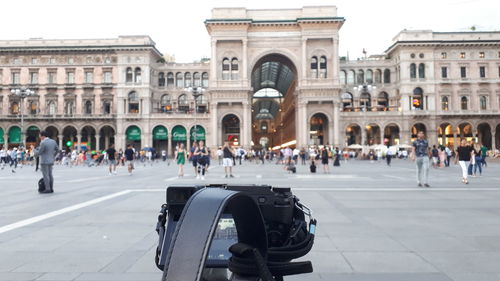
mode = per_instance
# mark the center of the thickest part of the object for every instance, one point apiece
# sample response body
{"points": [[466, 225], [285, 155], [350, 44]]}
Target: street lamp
{"points": [[22, 93], [196, 92]]}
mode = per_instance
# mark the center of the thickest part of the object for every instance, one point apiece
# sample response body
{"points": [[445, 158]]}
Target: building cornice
{"points": [[437, 43]]}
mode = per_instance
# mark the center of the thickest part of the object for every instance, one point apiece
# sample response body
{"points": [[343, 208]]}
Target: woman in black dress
{"points": [[336, 162], [324, 160]]}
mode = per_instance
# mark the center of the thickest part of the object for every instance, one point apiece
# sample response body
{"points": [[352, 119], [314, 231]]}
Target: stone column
{"points": [[335, 60], [168, 146], [336, 124], [301, 125], [455, 144], [97, 142], [213, 61], [245, 59], [493, 139], [363, 136], [214, 131], [6, 140], [304, 58], [60, 137], [78, 141], [106, 141], [246, 136]]}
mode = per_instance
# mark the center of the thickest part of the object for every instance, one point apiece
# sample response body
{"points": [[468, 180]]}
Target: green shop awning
{"points": [[2, 141], [160, 133], [15, 135], [33, 128], [199, 133], [179, 133], [133, 133]]}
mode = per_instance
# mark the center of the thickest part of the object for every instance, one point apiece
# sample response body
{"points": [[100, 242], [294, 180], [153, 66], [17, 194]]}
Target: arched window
{"points": [[369, 76], [137, 75], [70, 108], [187, 79], [445, 106], [383, 101], [413, 71], [464, 103], [322, 67], [204, 79], [365, 101], [133, 102], [234, 69], [421, 70], [361, 77], [225, 69], [418, 98], [14, 108], [161, 79], [387, 76], [183, 103], [170, 79], [342, 77], [483, 103], [350, 77], [314, 67], [129, 75], [196, 79], [88, 107], [52, 108], [378, 76], [347, 102], [165, 103], [179, 80]]}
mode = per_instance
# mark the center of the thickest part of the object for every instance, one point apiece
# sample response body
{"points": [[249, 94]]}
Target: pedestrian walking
{"points": [[484, 154], [435, 156], [227, 161], [442, 157], [336, 156], [220, 155], [3, 157], [449, 154], [202, 155], [194, 158], [129, 157], [463, 157], [111, 154], [180, 158], [324, 160], [388, 156], [47, 153], [420, 154]]}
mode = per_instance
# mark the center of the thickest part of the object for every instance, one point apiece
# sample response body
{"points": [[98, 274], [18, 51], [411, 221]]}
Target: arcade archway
{"points": [[274, 78], [318, 129], [231, 129]]}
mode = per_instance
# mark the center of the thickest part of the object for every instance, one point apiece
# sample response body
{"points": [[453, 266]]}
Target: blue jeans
{"points": [[478, 164]]}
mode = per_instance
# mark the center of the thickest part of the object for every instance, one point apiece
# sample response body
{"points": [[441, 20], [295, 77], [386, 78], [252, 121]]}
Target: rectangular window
{"points": [[71, 60], [89, 77], [462, 55], [444, 72], [70, 77], [52, 61], [34, 60], [482, 72], [463, 72], [16, 61], [52, 78], [33, 77], [16, 78], [481, 55], [107, 77], [443, 55]]}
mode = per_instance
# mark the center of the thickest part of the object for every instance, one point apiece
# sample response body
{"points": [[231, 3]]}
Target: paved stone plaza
{"points": [[374, 223]]}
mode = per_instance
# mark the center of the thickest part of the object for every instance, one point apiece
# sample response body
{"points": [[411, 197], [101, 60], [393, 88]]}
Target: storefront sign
{"points": [[134, 133], [199, 134], [179, 134], [15, 135], [160, 133]]}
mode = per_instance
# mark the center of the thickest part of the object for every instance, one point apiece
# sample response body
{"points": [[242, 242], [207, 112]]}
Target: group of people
{"points": [[199, 155], [15, 157], [469, 155]]}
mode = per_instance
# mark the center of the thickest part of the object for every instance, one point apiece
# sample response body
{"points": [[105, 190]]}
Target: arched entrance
{"points": [[391, 134], [179, 135], [318, 129], [133, 137], [373, 134], [417, 128], [273, 102], [106, 137], [484, 134], [464, 131], [353, 134], [88, 140], [15, 138], [160, 138], [32, 136], [445, 135], [231, 129], [69, 137], [197, 133]]}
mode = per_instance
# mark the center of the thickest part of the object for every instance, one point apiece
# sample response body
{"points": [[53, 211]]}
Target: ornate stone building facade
{"points": [[274, 77]]}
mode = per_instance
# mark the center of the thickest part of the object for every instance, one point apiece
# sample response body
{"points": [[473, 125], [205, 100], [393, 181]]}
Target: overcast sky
{"points": [[177, 26]]}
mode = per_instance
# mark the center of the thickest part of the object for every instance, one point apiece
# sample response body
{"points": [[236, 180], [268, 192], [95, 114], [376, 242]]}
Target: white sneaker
{"points": [[197, 177], [109, 174], [202, 178], [114, 172]]}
